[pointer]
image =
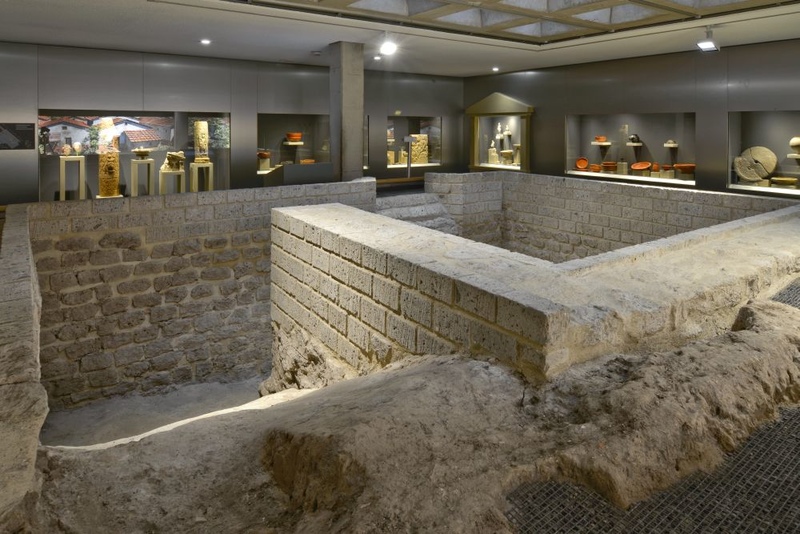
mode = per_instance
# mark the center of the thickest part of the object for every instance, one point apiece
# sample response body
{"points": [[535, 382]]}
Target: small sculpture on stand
{"points": [[493, 160], [174, 161]]}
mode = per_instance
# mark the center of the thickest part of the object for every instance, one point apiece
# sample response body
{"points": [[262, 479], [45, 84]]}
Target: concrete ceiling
{"points": [[441, 37]]}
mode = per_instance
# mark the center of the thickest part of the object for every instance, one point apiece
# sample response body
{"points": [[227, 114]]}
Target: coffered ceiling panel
{"points": [[526, 21]]}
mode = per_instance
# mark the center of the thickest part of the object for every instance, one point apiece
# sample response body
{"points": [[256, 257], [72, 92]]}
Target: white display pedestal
{"points": [[194, 171], [62, 176], [136, 164], [179, 175]]}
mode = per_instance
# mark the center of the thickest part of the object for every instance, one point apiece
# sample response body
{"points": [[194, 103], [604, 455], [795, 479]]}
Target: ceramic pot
{"points": [[794, 142], [294, 137]]}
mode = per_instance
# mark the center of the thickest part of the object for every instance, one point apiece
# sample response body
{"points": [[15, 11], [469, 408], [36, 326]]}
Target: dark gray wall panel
{"points": [[79, 79], [386, 94], [177, 83], [763, 76], [18, 84], [19, 181], [244, 126], [293, 89]]}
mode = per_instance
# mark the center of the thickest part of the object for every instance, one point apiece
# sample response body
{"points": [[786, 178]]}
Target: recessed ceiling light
{"points": [[205, 42], [388, 47], [378, 58], [495, 69]]}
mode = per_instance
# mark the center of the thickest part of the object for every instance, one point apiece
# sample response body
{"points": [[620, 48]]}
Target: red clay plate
{"points": [[581, 163], [640, 165]]}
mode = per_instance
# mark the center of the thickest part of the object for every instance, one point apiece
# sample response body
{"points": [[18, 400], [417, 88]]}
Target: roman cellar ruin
{"points": [[112, 297]]}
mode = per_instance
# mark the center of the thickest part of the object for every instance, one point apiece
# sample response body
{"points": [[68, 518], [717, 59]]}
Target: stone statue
{"points": [[174, 161], [109, 170], [201, 142], [499, 134]]}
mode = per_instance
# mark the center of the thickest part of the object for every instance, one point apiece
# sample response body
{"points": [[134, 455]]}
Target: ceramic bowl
{"points": [[640, 166], [581, 163], [600, 138], [294, 136], [594, 167], [783, 181], [685, 168]]}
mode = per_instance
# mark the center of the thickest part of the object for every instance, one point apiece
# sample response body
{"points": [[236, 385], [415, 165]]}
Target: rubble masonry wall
{"points": [[146, 292]]}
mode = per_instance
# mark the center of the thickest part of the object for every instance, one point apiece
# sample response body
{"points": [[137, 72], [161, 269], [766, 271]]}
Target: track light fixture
{"points": [[708, 44]]}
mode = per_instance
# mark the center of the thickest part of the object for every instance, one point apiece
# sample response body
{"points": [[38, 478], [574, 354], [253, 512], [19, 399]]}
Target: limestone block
{"points": [[416, 306], [24, 408], [402, 331]]}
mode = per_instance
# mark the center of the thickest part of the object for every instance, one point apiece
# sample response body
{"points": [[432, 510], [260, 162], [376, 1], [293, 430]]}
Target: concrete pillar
{"points": [[347, 110]]}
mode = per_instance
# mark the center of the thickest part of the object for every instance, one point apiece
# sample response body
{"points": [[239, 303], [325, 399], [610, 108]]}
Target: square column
{"points": [[347, 110]]}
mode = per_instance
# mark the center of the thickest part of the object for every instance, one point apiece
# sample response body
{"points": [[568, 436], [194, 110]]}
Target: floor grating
{"points": [[755, 491], [789, 295]]}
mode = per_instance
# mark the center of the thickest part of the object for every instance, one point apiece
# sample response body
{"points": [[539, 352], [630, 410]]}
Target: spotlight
{"points": [[388, 47], [708, 44], [205, 42]]}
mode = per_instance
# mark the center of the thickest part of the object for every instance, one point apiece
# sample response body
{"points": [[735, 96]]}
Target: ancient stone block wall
{"points": [[349, 299], [23, 400], [559, 218], [475, 200], [146, 292]]}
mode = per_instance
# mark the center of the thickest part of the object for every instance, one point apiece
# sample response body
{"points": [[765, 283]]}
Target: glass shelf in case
{"points": [[414, 140], [650, 147], [764, 151]]}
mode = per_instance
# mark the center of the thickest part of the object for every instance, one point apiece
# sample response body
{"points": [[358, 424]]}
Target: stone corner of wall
{"points": [[23, 399]]}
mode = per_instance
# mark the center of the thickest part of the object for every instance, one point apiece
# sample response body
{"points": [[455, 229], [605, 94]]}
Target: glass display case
{"points": [[500, 134], [764, 151], [293, 139], [413, 140], [85, 154], [654, 147]]}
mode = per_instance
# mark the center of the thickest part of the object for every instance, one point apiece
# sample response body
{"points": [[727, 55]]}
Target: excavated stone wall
{"points": [[560, 219], [23, 400], [147, 292], [350, 297]]}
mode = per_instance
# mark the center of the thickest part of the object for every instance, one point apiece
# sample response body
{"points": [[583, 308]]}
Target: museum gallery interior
{"points": [[548, 246]]}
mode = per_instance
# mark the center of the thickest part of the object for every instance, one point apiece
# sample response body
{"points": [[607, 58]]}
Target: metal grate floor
{"points": [[789, 295], [756, 490]]}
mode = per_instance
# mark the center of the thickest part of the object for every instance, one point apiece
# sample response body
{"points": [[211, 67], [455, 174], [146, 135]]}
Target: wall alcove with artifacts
{"points": [[500, 133], [83, 154]]}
